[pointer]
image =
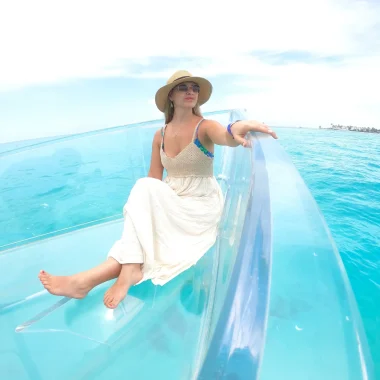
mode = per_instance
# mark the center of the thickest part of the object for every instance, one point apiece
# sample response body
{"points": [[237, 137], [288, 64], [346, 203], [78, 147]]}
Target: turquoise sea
{"points": [[342, 170]]}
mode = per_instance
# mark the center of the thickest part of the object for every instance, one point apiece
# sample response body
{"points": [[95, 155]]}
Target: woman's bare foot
{"points": [[69, 286], [130, 275]]}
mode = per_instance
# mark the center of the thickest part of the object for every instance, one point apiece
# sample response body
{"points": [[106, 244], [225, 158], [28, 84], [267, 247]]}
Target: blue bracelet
{"points": [[229, 128]]}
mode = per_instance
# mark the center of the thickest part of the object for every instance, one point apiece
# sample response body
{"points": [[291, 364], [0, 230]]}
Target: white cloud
{"points": [[46, 41], [312, 95]]}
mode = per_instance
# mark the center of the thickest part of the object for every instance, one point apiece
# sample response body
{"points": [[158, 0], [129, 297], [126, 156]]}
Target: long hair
{"points": [[169, 111]]}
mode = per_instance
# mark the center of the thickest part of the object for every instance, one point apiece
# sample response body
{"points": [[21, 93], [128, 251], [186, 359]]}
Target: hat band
{"points": [[186, 76]]}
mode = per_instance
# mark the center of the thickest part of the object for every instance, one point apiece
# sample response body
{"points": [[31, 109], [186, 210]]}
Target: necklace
{"points": [[175, 132]]}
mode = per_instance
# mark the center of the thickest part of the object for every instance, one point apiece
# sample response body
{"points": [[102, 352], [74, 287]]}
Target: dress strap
{"points": [[195, 135]]}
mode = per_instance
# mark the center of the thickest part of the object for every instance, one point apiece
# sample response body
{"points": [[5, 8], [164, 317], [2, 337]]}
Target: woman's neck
{"points": [[182, 116]]}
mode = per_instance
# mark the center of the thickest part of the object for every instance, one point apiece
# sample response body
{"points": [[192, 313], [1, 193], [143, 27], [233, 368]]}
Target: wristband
{"points": [[229, 128]]}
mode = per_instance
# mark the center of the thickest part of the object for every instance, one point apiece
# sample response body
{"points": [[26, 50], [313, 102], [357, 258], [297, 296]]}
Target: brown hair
{"points": [[169, 110]]}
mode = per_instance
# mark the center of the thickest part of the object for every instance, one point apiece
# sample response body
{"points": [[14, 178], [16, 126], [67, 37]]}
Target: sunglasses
{"points": [[183, 87]]}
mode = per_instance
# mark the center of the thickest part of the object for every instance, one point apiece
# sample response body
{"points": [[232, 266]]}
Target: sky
{"points": [[75, 66]]}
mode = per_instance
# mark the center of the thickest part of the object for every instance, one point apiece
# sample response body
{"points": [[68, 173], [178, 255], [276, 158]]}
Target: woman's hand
{"points": [[241, 128]]}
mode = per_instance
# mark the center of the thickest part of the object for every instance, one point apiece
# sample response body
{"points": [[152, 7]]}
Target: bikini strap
{"points": [[195, 136]]}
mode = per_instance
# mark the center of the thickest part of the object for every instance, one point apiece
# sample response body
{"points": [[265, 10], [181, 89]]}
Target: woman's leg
{"points": [[130, 275], [78, 285]]}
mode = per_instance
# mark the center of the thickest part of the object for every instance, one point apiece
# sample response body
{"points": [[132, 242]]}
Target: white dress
{"points": [[169, 225]]}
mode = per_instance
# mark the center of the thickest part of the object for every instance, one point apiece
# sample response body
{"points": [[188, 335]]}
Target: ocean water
{"points": [[342, 170]]}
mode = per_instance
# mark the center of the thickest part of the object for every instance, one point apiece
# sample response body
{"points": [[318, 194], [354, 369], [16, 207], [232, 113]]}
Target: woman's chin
{"points": [[190, 105]]}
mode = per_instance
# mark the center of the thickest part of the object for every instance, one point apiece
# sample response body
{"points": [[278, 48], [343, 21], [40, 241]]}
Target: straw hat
{"points": [[178, 77]]}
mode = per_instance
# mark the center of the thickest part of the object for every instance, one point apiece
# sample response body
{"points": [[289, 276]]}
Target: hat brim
{"points": [[203, 96]]}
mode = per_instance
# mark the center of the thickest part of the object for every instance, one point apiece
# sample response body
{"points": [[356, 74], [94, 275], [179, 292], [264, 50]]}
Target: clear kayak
{"points": [[271, 300]]}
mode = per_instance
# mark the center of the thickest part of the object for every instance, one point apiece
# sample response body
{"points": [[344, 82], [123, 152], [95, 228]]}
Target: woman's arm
{"points": [[220, 136], [156, 169]]}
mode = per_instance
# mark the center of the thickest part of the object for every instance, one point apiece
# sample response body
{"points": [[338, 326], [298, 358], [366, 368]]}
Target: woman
{"points": [[168, 225]]}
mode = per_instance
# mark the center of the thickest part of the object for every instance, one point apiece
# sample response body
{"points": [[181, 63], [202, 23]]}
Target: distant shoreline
{"points": [[353, 129], [350, 128]]}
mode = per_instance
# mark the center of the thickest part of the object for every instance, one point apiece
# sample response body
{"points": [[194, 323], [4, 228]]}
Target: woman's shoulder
{"points": [[158, 135], [210, 123]]}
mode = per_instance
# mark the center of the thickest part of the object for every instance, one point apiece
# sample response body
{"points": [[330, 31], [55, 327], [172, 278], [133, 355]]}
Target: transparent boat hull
{"points": [[270, 300]]}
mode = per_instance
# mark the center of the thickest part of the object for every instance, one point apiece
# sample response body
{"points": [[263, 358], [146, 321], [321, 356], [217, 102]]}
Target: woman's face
{"points": [[185, 95]]}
